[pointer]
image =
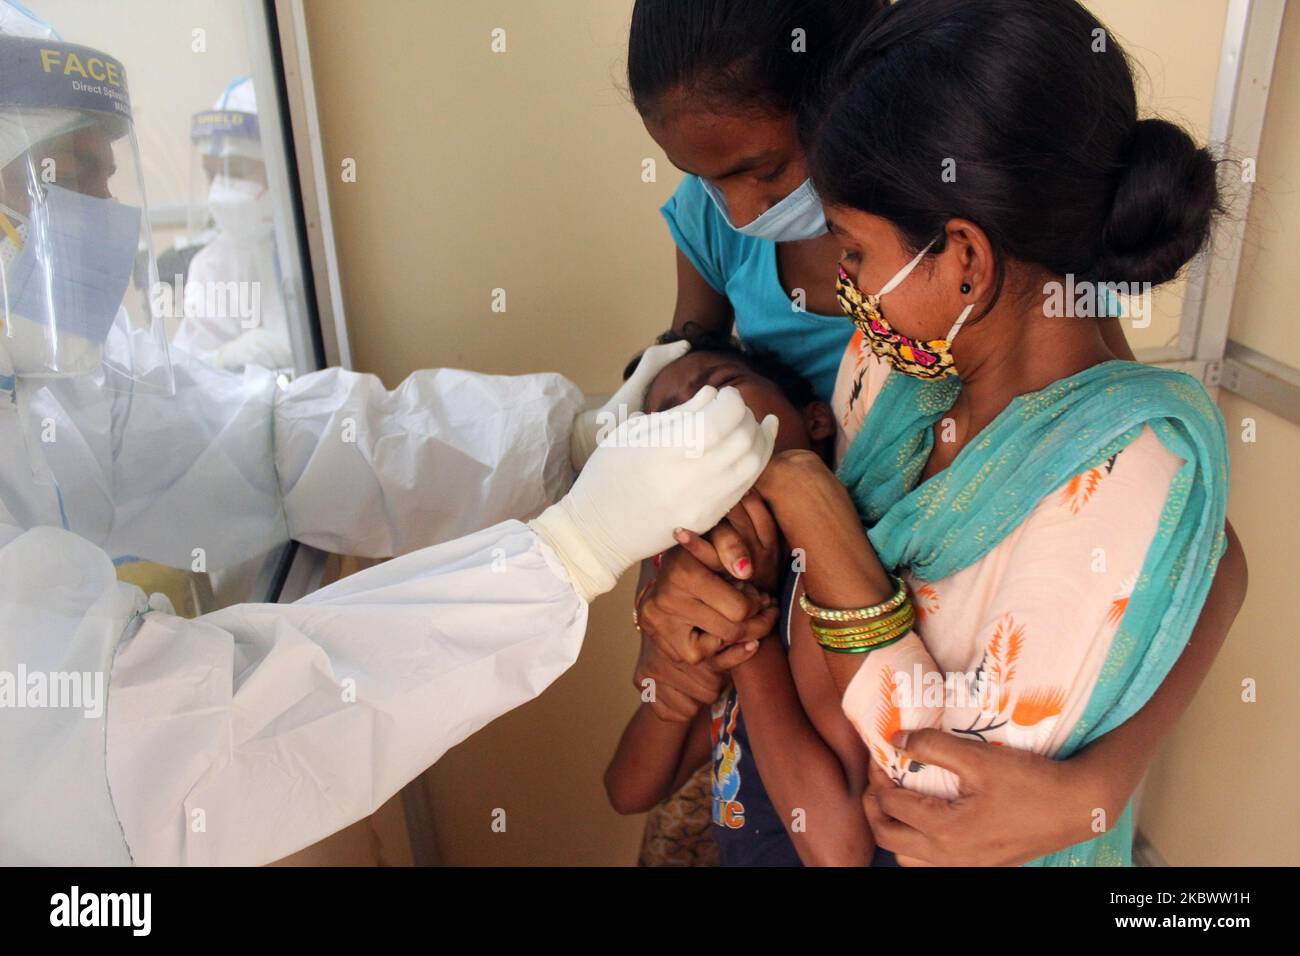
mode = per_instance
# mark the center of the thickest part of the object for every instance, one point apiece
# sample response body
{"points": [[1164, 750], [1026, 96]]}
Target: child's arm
{"points": [[667, 739], [818, 798], [654, 759], [813, 764]]}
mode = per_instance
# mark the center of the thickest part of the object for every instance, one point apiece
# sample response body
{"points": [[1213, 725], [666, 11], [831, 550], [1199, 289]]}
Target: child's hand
{"points": [[748, 543], [733, 655], [690, 612], [676, 691]]}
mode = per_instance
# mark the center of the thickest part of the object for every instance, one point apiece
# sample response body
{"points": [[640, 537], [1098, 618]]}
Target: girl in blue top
{"points": [[717, 84]]}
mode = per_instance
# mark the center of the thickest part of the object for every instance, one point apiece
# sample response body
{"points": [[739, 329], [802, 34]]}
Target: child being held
{"points": [[788, 770]]}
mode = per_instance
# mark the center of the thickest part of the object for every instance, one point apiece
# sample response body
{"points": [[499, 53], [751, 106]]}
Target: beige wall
{"points": [[1264, 309], [1175, 45], [477, 171], [522, 171]]}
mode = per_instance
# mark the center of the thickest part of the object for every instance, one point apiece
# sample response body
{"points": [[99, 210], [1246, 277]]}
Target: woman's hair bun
{"points": [[1164, 205]]}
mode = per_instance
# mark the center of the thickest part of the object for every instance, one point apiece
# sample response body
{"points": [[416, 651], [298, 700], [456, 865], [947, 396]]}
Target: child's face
{"points": [[679, 382]]}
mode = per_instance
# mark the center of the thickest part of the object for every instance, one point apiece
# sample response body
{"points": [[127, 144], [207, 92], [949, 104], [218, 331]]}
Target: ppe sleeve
{"points": [[234, 465], [699, 232], [374, 473], [62, 613], [247, 734]]}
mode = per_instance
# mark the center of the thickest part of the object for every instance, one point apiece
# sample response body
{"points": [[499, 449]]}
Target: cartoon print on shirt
{"points": [[727, 753]]}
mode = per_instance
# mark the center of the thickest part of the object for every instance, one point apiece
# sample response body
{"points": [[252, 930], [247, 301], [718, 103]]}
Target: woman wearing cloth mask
{"points": [[703, 79], [214, 327], [250, 732]]}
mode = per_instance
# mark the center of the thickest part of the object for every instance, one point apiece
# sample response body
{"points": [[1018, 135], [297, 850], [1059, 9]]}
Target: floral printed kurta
{"points": [[1008, 649]]}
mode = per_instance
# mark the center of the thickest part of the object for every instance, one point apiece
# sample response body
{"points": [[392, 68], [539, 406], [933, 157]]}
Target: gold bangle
{"points": [[883, 640], [896, 626], [862, 650], [879, 640], [868, 641], [871, 627], [860, 613], [886, 635]]}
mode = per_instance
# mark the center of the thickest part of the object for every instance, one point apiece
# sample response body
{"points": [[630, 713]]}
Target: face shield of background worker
{"points": [[234, 311], [248, 733]]}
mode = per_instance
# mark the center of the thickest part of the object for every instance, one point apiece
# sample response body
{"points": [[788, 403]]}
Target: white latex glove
{"points": [[587, 426], [683, 468]]}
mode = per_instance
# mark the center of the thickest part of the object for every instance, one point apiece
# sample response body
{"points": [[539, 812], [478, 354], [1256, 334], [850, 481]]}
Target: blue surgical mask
{"points": [[796, 217], [75, 264]]}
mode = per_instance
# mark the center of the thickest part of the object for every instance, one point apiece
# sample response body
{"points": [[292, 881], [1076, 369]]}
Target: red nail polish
{"points": [[742, 565]]}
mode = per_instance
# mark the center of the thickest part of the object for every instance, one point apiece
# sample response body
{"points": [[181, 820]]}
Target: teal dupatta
{"points": [[1039, 442]]}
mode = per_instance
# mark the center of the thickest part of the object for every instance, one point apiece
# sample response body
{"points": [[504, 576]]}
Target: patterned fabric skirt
{"points": [[678, 832]]}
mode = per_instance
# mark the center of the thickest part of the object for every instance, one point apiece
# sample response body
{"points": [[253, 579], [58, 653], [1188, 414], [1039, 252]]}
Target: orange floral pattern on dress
{"points": [[1037, 705], [1080, 488], [925, 600], [889, 719], [1120, 604], [889, 722], [1002, 666], [1117, 609], [858, 347]]}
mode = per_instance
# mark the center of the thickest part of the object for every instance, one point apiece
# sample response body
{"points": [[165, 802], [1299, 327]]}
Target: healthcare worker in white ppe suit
{"points": [[245, 734], [241, 324]]}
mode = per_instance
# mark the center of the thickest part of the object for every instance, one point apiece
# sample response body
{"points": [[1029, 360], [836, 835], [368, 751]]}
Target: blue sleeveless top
{"points": [[744, 269]]}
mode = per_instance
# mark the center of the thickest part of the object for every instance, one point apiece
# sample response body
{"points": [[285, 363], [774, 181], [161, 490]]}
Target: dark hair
{"points": [[737, 54], [797, 390], [1031, 104]]}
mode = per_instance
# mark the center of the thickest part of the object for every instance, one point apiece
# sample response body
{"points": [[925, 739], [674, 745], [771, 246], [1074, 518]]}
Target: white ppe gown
{"points": [[248, 733], [214, 330]]}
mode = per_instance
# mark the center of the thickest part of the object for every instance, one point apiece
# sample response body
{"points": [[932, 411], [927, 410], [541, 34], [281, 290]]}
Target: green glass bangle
{"points": [[874, 642], [866, 645], [872, 627], [879, 640], [863, 650]]}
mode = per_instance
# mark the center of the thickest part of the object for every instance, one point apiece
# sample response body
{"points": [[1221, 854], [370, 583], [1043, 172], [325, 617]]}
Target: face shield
{"points": [[79, 290], [228, 183]]}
